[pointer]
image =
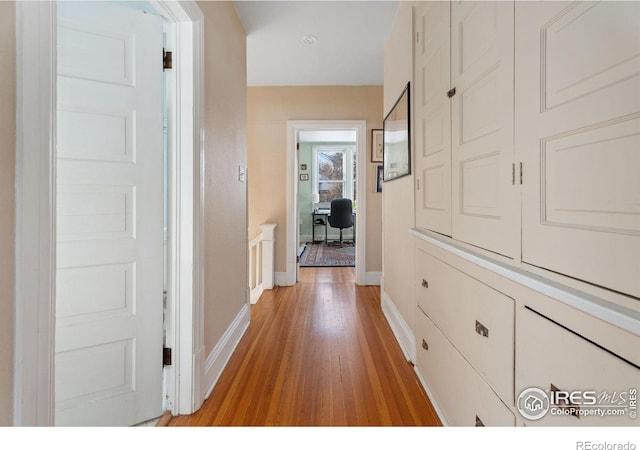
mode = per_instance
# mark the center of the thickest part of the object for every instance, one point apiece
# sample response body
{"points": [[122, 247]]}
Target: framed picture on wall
{"points": [[379, 178], [397, 147], [377, 145]]}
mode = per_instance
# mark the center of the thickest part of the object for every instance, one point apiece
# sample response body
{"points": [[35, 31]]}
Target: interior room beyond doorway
{"points": [[327, 170]]}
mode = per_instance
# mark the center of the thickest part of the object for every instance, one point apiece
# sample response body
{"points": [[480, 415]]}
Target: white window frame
{"points": [[348, 179]]}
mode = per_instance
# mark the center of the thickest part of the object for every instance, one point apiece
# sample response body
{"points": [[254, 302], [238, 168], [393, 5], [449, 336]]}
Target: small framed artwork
{"points": [[379, 178], [377, 145], [304, 177], [303, 167]]}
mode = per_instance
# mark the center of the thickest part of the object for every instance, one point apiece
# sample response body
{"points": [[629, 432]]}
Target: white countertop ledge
{"points": [[619, 316]]}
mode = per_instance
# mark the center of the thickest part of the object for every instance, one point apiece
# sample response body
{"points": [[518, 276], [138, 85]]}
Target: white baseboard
{"points": [[280, 279], [402, 331], [432, 399], [372, 278], [219, 356], [255, 294]]}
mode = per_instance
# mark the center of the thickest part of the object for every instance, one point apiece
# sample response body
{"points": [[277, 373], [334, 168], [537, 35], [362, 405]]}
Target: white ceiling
{"points": [[349, 50]]}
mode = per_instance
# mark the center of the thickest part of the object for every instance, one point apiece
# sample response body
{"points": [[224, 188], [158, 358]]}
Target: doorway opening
{"points": [[326, 161]]}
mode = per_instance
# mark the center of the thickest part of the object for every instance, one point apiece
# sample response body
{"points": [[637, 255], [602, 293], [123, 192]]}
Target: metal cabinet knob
{"points": [[425, 345], [425, 283]]}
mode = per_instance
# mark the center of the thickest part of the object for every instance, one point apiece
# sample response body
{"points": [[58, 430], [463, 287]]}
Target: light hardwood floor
{"points": [[319, 353]]}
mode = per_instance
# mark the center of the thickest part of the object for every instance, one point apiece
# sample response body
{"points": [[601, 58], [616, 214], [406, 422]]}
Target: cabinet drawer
{"points": [[477, 319], [550, 354], [463, 396]]}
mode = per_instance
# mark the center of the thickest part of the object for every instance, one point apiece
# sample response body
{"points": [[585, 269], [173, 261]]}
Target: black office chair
{"points": [[341, 215]]}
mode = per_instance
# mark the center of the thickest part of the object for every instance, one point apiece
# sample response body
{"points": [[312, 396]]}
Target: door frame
{"points": [[34, 357], [293, 127]]}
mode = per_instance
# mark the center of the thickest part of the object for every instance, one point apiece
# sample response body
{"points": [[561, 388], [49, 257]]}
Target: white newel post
{"points": [[268, 254]]}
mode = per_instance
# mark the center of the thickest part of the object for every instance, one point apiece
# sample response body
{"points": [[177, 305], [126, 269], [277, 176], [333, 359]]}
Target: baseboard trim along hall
{"points": [[280, 278], [255, 294], [219, 356], [402, 331], [372, 278], [432, 399]]}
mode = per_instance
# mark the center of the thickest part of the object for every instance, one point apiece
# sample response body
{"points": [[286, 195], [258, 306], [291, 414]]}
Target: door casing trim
{"points": [[293, 127]]}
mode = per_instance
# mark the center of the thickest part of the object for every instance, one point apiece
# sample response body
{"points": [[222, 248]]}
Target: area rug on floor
{"points": [[321, 255]]}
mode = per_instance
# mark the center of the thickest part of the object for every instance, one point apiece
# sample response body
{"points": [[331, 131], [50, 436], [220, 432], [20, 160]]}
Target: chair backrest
{"points": [[341, 213]]}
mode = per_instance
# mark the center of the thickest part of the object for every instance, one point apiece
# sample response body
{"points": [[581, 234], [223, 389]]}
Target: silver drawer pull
{"points": [[425, 283], [479, 422], [425, 345], [482, 330]]}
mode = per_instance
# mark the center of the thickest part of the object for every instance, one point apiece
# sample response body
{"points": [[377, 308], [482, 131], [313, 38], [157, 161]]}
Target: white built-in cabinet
{"points": [[578, 134], [484, 201], [527, 133], [484, 334], [432, 136], [464, 123], [527, 152]]}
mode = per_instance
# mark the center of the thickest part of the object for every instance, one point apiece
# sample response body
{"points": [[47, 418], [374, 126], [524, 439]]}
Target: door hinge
{"points": [[297, 259], [298, 146], [418, 36], [418, 184], [166, 356], [513, 174], [167, 60], [520, 173]]}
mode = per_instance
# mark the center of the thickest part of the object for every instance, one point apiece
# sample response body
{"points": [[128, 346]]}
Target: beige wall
{"points": [[226, 281], [7, 206], [398, 203], [269, 108]]}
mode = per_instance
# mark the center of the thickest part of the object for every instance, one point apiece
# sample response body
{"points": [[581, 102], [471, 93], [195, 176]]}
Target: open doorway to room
{"points": [[327, 164], [326, 161]]}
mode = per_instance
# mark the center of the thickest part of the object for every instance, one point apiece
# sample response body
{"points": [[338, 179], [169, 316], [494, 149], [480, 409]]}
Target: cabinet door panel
{"points": [[433, 117], [578, 121], [573, 363], [484, 200]]}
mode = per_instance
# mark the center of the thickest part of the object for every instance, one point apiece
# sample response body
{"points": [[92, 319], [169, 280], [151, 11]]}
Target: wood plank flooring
{"points": [[318, 353]]}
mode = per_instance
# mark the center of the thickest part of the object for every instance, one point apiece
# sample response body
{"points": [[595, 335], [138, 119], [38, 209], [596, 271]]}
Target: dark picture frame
{"points": [[379, 177], [377, 145], [397, 141]]}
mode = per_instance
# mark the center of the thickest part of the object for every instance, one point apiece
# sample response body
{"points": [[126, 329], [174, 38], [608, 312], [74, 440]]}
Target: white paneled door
{"points": [[109, 295], [485, 203], [578, 121], [433, 117]]}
